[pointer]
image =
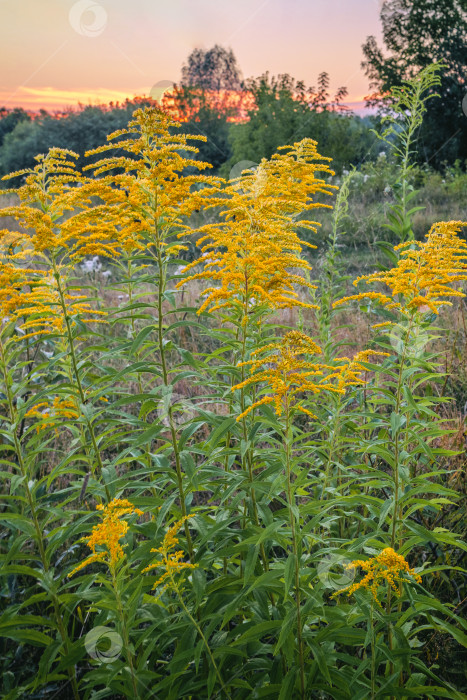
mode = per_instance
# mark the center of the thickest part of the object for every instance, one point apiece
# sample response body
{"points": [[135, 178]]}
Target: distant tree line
{"points": [[23, 136]]}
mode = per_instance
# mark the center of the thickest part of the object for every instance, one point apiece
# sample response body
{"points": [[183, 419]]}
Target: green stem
{"points": [[165, 379], [147, 454], [396, 514], [249, 455], [126, 638], [373, 654], [201, 634], [76, 373], [291, 504]]}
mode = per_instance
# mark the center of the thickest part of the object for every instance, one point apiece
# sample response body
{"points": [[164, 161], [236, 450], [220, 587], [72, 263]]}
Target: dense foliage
{"points": [[204, 493], [417, 33]]}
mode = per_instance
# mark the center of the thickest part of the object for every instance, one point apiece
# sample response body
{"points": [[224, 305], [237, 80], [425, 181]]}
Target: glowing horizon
{"points": [[52, 100]]}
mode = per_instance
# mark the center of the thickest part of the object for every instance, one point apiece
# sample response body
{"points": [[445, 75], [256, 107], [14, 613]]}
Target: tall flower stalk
{"points": [[43, 302], [105, 546], [253, 257], [289, 377], [147, 197], [406, 106]]}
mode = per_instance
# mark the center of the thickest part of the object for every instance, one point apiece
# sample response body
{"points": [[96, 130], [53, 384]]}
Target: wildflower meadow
{"points": [[213, 484]]}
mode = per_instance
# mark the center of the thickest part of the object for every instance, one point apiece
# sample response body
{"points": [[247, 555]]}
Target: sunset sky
{"points": [[56, 53]]}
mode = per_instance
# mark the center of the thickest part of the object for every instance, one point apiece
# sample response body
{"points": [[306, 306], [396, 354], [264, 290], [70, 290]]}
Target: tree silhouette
{"points": [[215, 69]]}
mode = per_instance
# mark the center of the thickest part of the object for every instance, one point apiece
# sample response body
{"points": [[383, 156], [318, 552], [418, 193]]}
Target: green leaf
{"points": [[288, 574]]}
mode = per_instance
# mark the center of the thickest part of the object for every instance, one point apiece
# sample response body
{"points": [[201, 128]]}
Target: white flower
{"points": [[93, 265]]}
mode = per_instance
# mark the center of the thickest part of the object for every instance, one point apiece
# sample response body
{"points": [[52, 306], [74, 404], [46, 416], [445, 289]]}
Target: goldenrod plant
{"points": [[405, 107], [203, 494]]}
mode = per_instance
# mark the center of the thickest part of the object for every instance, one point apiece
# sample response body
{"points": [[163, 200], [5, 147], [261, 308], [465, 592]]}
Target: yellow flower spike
{"points": [[108, 534], [350, 372], [387, 566], [58, 188], [258, 239], [31, 299], [144, 192], [425, 272], [286, 374], [60, 408], [170, 562]]}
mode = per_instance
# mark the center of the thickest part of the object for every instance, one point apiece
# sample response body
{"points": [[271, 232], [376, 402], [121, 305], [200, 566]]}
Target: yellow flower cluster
{"points": [[55, 235], [63, 221], [286, 373], [171, 561], [31, 299], [108, 534], [60, 408], [425, 272], [145, 193], [387, 566], [250, 256], [350, 372], [51, 212]]}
